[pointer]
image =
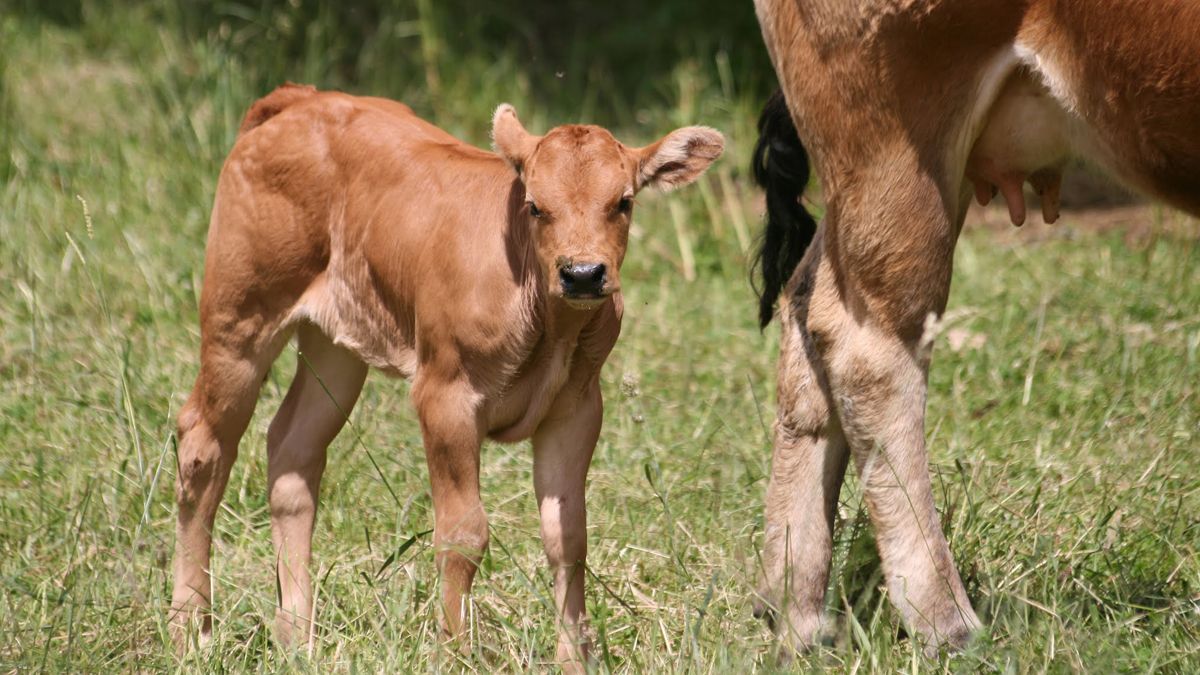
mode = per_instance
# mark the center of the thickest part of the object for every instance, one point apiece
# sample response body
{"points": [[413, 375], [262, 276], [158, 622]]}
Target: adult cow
{"points": [[908, 108], [379, 240]]}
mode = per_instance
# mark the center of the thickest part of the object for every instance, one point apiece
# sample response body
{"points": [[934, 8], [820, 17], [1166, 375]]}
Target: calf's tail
{"points": [[780, 167]]}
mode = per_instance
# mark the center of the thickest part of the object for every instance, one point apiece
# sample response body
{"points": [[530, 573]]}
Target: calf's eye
{"points": [[534, 210], [625, 205]]}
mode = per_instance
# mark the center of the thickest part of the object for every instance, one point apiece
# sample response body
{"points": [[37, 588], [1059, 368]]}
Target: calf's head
{"points": [[580, 183]]}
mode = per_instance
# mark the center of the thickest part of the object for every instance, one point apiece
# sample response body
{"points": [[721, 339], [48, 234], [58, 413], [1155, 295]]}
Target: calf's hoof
{"points": [[190, 627], [291, 631], [573, 655]]}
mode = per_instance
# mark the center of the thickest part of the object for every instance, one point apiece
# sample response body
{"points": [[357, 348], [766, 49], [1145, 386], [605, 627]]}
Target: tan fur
{"points": [[381, 241], [908, 107]]}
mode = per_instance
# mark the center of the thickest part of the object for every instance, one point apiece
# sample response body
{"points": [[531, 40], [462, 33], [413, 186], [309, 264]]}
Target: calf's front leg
{"points": [[452, 427], [562, 452]]}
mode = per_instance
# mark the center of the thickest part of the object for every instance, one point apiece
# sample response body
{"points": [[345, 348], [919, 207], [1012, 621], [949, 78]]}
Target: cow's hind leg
{"points": [[234, 357], [880, 385], [327, 384], [894, 268], [807, 468]]}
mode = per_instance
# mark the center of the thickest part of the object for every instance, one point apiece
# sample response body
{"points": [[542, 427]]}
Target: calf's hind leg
{"points": [[211, 423], [326, 386]]}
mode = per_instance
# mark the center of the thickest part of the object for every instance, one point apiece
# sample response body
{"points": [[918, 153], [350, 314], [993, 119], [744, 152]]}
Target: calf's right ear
{"points": [[510, 139]]}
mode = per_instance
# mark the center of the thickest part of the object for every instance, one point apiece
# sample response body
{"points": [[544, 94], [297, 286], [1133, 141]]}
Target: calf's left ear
{"points": [[679, 158], [510, 139]]}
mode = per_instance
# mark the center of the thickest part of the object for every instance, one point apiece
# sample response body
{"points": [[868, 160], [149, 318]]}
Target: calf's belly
{"points": [[356, 320]]}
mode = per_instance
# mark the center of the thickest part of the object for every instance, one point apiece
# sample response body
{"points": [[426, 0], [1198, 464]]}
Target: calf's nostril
{"points": [[596, 274]]}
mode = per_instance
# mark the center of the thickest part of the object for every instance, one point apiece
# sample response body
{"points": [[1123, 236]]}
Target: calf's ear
{"points": [[510, 139], [679, 158]]}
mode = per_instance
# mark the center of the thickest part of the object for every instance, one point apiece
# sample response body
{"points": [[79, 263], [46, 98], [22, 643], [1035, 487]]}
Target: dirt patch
{"points": [[1140, 224]]}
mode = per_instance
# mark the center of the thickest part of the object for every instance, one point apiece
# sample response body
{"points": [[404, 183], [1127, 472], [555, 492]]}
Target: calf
{"points": [[379, 240], [910, 108]]}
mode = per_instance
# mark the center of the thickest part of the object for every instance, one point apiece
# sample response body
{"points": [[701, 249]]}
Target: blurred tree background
{"points": [[604, 61]]}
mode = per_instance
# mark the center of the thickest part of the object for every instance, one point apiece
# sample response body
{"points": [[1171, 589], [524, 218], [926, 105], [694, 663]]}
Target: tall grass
{"points": [[1063, 421]]}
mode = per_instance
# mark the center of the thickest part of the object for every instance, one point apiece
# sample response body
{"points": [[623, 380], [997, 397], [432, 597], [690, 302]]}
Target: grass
{"points": [[1064, 421]]}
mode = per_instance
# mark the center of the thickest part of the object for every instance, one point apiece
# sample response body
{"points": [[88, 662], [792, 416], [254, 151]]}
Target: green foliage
{"points": [[598, 60], [1063, 422]]}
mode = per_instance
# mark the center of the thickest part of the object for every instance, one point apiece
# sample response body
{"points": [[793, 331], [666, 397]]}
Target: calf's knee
{"points": [[464, 533], [200, 457]]}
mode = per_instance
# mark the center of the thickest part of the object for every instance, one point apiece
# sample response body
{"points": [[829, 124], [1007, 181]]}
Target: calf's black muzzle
{"points": [[582, 281]]}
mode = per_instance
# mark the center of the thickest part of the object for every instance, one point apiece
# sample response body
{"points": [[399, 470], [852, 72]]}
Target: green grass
{"points": [[1065, 428]]}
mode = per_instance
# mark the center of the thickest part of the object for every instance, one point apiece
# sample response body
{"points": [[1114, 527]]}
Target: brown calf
{"points": [[909, 108], [379, 240]]}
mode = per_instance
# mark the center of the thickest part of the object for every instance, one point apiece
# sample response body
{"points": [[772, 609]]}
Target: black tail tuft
{"points": [[781, 169]]}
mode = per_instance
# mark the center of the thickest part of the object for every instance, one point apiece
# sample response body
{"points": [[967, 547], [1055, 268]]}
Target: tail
{"points": [[274, 103], [781, 169]]}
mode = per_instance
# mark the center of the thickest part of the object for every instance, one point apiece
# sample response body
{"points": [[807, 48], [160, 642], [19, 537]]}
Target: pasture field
{"points": [[1064, 408]]}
